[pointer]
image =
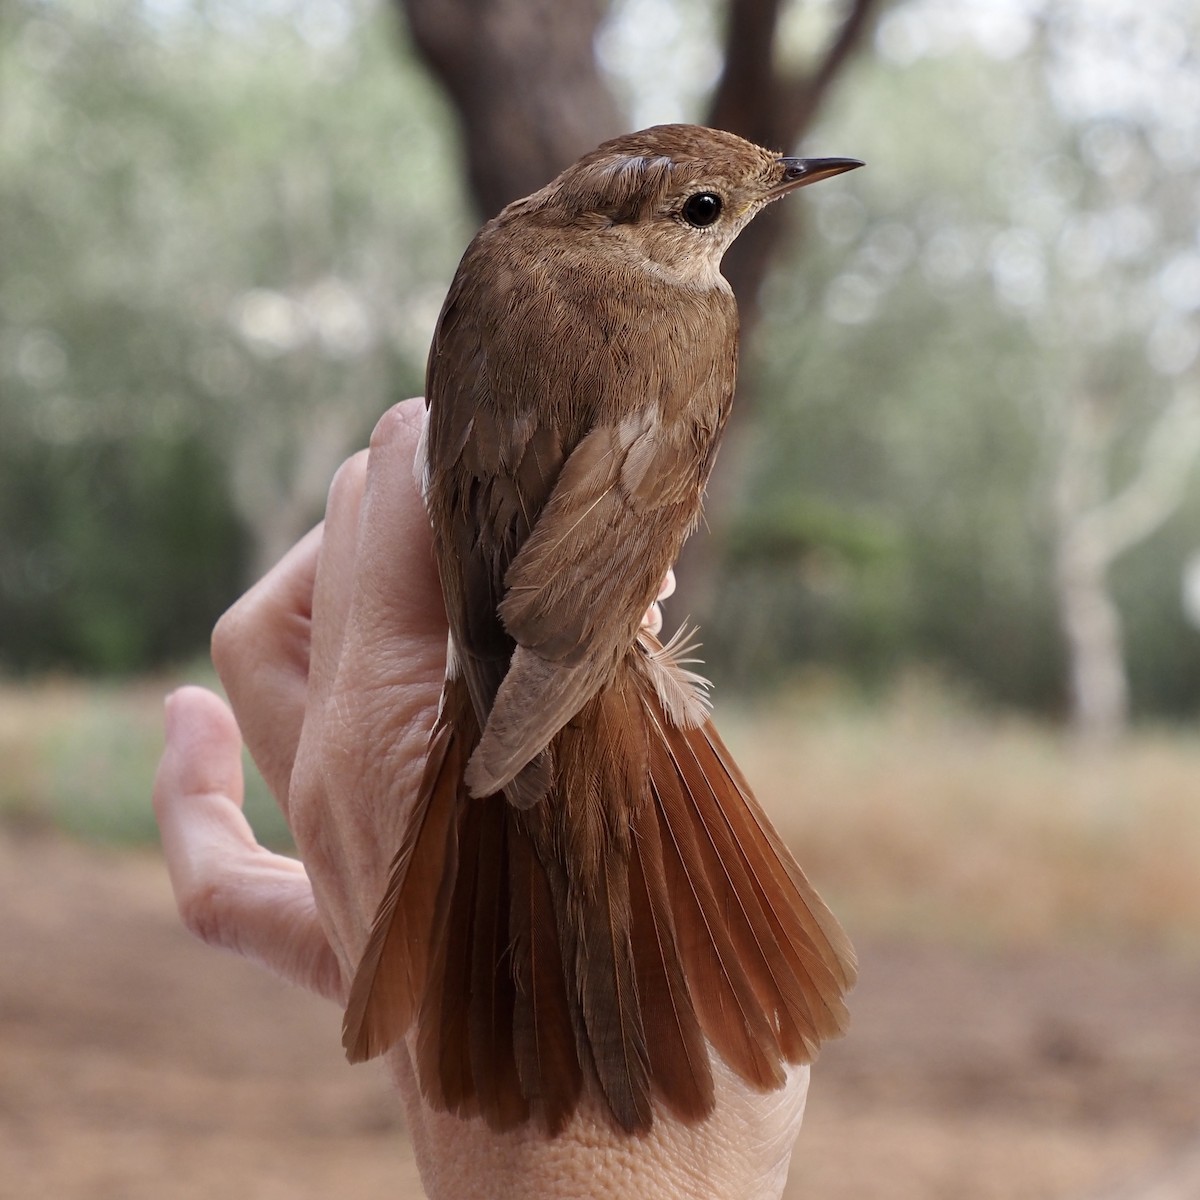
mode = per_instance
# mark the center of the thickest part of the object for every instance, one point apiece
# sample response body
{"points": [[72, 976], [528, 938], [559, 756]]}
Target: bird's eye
{"points": [[702, 209]]}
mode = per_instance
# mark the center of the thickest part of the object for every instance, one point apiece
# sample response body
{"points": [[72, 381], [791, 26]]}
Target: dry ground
{"points": [[136, 1064]]}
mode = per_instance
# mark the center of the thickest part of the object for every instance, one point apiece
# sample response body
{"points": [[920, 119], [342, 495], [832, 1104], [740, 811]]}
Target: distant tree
{"points": [[1072, 238], [1003, 321], [1123, 393], [1093, 527], [530, 98], [223, 249]]}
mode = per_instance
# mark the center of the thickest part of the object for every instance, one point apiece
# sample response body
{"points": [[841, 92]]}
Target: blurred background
{"points": [[949, 588]]}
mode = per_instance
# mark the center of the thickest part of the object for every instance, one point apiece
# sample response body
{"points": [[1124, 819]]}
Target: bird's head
{"points": [[677, 195]]}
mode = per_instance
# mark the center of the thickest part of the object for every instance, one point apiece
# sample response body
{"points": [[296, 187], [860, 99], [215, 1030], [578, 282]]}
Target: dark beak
{"points": [[798, 172]]}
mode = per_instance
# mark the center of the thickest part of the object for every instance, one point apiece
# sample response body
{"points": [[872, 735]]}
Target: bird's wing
{"points": [[614, 523], [596, 557]]}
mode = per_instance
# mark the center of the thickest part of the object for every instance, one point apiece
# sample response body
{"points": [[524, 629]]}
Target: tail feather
{"points": [[586, 824], [793, 982], [443, 1054], [543, 1031], [612, 1012], [492, 1003], [725, 999], [390, 981], [766, 969], [677, 1051], [641, 910], [806, 916]]}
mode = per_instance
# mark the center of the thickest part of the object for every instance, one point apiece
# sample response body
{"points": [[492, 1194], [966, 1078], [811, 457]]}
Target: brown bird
{"points": [[588, 895]]}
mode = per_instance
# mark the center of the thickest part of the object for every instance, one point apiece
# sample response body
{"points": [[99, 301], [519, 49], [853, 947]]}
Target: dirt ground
{"points": [[135, 1063]]}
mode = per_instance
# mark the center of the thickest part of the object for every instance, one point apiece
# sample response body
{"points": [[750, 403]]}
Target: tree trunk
{"points": [[1088, 615], [1091, 624], [1093, 528], [523, 79], [758, 100]]}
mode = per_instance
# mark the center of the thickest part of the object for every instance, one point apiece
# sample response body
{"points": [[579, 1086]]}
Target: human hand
{"points": [[333, 664], [652, 621]]}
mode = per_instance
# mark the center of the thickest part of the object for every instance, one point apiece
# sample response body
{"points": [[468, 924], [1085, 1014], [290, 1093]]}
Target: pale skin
{"points": [[333, 665]]}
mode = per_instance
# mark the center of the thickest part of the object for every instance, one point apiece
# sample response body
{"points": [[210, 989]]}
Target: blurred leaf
{"points": [[782, 532]]}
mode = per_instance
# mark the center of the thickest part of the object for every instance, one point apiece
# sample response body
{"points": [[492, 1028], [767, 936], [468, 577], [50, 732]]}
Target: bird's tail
{"points": [[644, 907]]}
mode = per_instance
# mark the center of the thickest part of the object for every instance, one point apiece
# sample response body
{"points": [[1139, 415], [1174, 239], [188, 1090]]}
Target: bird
{"points": [[587, 898]]}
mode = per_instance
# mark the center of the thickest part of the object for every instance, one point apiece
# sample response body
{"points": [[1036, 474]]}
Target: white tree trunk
{"points": [[1093, 529], [1091, 624]]}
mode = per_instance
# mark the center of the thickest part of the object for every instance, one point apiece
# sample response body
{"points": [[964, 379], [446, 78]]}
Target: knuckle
{"points": [[349, 475], [307, 815], [201, 907], [228, 639], [401, 423]]}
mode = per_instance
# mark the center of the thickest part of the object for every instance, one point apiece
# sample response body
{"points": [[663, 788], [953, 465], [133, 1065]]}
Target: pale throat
{"points": [[670, 259]]}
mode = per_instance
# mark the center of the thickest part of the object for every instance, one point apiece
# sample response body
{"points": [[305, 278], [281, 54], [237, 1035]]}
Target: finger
{"points": [[397, 602], [335, 572], [260, 648], [230, 891], [401, 580], [652, 619], [373, 707]]}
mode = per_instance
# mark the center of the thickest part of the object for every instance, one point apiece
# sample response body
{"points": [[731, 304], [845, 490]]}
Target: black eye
{"points": [[702, 209]]}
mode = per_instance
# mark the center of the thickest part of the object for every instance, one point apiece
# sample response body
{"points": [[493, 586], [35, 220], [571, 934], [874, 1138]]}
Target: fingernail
{"points": [[170, 715]]}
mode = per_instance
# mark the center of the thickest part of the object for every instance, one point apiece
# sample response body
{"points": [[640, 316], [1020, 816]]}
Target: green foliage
{"points": [[80, 757], [226, 233], [914, 363], [116, 555], [791, 527], [1163, 650]]}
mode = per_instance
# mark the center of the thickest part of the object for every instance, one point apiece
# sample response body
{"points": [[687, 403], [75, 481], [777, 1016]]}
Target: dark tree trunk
{"points": [[775, 109], [523, 79]]}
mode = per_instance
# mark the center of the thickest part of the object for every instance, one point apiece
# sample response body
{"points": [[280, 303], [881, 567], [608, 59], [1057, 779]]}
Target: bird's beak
{"points": [[798, 172]]}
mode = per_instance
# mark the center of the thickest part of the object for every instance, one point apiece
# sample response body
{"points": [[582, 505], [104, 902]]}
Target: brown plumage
{"points": [[588, 896]]}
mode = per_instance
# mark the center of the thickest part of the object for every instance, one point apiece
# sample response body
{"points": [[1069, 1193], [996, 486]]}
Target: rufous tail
{"points": [[643, 910]]}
